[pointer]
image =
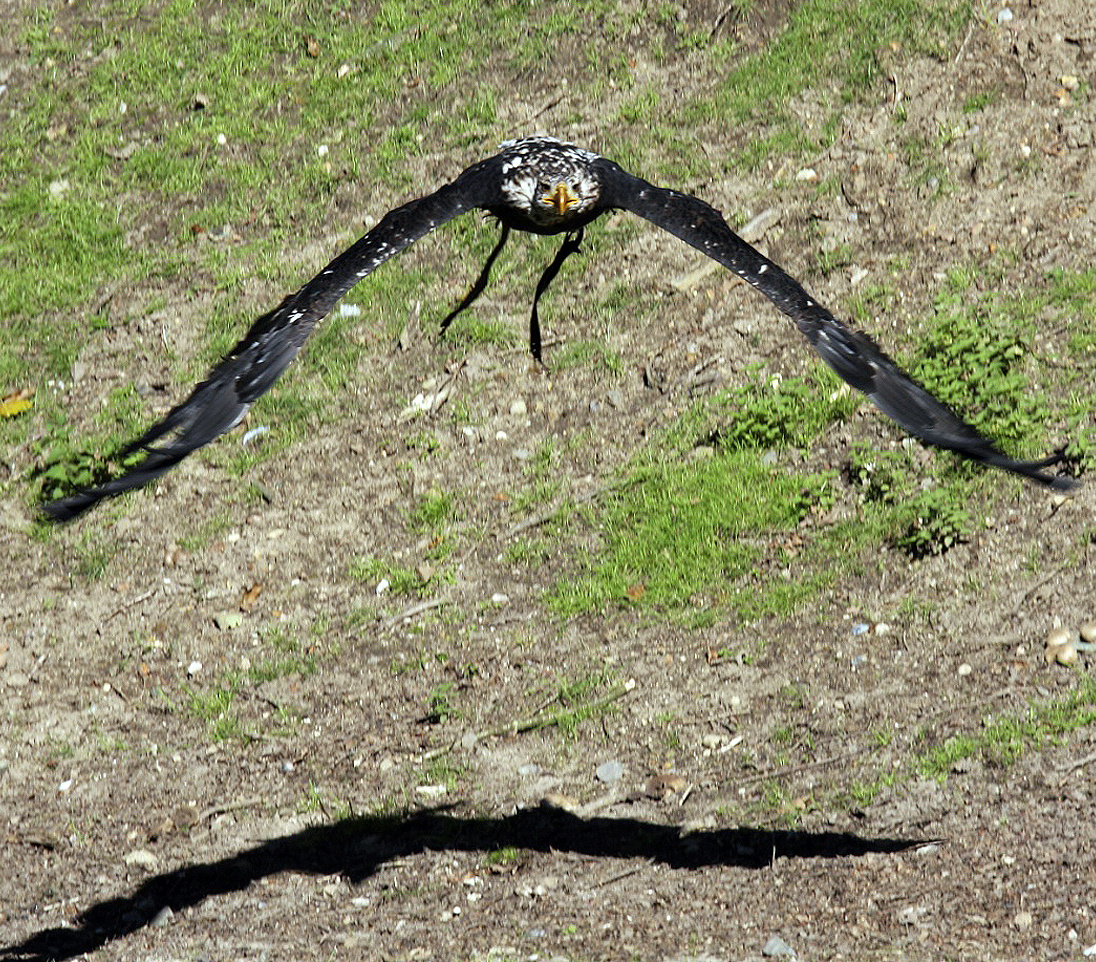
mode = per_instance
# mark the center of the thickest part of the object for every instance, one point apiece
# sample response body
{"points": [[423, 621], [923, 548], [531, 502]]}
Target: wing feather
{"points": [[250, 369], [852, 354]]}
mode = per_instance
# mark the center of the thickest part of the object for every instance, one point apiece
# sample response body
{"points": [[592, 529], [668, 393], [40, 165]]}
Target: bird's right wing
{"points": [[852, 354], [249, 370]]}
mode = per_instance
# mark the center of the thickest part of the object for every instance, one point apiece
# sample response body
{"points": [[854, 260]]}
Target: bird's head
{"points": [[550, 183]]}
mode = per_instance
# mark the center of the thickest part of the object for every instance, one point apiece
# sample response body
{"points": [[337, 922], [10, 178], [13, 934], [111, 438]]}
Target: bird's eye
{"points": [[542, 187]]}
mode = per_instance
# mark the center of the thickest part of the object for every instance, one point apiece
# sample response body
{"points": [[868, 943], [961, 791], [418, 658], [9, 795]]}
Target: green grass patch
{"points": [[673, 531], [999, 742], [400, 580], [973, 355], [1003, 741], [695, 532]]}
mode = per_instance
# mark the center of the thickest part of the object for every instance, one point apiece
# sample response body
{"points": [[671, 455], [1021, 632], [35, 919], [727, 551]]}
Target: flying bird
{"points": [[544, 186]]}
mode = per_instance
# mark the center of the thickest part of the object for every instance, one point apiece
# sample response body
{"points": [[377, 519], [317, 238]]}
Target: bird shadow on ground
{"points": [[356, 847]]}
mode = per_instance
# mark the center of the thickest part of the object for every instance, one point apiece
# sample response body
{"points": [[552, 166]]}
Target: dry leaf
{"points": [[247, 602]]}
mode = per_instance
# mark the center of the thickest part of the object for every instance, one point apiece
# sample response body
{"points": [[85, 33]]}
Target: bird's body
{"points": [[544, 186]]}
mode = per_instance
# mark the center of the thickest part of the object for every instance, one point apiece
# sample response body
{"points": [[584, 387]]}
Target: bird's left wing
{"points": [[220, 402], [852, 354]]}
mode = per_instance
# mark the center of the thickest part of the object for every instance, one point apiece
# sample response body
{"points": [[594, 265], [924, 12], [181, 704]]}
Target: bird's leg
{"points": [[571, 245], [481, 281]]}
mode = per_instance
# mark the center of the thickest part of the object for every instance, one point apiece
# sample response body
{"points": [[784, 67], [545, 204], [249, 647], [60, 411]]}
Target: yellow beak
{"points": [[561, 199]]}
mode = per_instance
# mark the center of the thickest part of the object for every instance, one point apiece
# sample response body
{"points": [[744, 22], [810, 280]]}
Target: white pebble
{"points": [[321, 151], [610, 772], [222, 139], [1004, 16], [1059, 636], [383, 585], [1066, 655], [141, 857], [964, 670], [193, 668]]}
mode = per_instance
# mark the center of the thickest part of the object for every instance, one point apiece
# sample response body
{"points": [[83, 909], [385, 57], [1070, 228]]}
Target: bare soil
{"points": [[355, 825]]}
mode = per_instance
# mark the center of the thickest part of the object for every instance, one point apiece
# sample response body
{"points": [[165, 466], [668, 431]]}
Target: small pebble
{"points": [[227, 620], [912, 914], [518, 408], [1059, 636], [1066, 655], [141, 857], [1088, 632], [1004, 16], [193, 668], [808, 174], [559, 800], [964, 670], [609, 772], [1060, 642], [776, 947], [498, 598]]}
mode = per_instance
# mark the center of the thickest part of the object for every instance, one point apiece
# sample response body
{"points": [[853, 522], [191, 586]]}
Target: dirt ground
{"points": [[367, 818]]}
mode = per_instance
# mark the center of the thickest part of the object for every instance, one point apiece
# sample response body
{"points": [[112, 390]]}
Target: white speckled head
{"points": [[548, 181]]}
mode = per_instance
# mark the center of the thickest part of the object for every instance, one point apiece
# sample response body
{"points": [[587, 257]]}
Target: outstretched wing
{"points": [[852, 354], [249, 370]]}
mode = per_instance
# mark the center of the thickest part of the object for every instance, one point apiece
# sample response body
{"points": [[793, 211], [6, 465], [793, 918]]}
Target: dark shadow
{"points": [[356, 847]]}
